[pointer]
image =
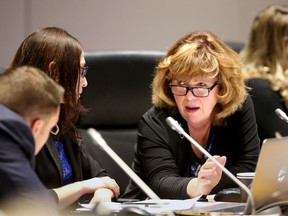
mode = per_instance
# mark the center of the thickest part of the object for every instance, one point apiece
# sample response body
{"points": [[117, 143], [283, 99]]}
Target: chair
{"points": [[236, 46], [2, 70], [118, 93]]}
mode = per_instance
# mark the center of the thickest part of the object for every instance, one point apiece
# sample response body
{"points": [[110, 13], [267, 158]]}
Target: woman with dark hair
{"points": [[63, 164]]}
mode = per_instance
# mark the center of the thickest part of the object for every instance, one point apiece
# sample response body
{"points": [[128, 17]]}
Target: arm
{"points": [[104, 188], [239, 142], [166, 162], [162, 156]]}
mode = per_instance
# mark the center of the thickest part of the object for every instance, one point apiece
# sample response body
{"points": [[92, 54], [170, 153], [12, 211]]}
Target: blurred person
{"points": [[29, 109], [200, 85], [63, 164], [266, 69]]}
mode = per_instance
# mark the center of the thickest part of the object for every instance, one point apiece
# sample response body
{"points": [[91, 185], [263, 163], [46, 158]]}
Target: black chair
{"points": [[2, 70], [118, 94], [236, 46]]}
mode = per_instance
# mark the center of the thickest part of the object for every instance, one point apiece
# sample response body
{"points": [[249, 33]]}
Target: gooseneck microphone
{"points": [[98, 140], [282, 115], [176, 126]]}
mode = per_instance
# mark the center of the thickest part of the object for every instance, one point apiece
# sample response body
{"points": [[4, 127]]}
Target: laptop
{"points": [[270, 184]]}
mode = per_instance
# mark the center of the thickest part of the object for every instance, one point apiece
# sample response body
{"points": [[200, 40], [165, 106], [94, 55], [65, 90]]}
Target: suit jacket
{"points": [[163, 158], [17, 176], [266, 101], [49, 166]]}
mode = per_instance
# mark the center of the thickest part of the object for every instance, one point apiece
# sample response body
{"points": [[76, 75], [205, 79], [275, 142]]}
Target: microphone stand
{"points": [[282, 115], [175, 126], [97, 137]]}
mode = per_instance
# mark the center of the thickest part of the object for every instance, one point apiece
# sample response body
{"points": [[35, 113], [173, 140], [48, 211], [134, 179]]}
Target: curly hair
{"points": [[204, 54], [266, 51]]}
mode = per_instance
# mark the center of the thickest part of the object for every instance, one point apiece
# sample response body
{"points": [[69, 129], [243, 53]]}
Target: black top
{"points": [[266, 101], [163, 158], [17, 176], [49, 166]]}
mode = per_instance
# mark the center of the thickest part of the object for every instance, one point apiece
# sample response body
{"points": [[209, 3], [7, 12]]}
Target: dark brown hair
{"points": [[53, 44]]}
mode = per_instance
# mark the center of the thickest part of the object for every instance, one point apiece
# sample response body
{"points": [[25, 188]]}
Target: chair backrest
{"points": [[236, 46], [2, 70], [118, 94]]}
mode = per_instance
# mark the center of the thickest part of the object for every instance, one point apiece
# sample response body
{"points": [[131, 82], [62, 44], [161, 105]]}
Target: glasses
{"points": [[83, 71], [180, 90]]}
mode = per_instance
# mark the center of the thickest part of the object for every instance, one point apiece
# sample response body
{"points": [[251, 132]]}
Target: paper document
{"points": [[152, 206]]}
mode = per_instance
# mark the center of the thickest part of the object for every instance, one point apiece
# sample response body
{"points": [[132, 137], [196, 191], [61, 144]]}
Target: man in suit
{"points": [[29, 109]]}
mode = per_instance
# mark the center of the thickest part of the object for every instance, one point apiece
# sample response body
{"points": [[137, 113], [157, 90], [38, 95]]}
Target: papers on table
{"points": [[152, 206]]}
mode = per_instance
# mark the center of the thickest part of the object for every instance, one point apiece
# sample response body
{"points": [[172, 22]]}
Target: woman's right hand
{"points": [[208, 177]]}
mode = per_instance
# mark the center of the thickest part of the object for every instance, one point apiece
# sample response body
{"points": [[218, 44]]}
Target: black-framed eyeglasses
{"points": [[83, 71], [181, 90]]}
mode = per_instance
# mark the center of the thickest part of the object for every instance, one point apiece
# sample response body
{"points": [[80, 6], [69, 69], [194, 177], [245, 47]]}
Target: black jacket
{"points": [[49, 167], [266, 101], [163, 158], [18, 179]]}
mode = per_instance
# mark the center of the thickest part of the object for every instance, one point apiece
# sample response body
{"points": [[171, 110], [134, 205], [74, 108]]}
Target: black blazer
{"points": [[163, 158], [266, 101], [49, 167], [17, 176]]}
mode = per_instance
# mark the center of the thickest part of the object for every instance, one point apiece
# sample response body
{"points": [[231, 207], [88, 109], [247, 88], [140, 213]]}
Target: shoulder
{"points": [[258, 83], [14, 125], [156, 117]]}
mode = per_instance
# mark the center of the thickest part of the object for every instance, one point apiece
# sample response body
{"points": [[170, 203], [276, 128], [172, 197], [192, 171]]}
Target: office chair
{"points": [[118, 94]]}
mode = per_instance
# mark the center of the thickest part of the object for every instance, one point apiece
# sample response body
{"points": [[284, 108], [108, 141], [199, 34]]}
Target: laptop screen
{"points": [[270, 184]]}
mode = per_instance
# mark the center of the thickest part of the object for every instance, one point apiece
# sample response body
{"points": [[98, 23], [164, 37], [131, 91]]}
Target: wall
{"points": [[126, 24]]}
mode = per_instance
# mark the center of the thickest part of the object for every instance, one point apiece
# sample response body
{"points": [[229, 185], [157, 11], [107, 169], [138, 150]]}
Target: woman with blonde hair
{"points": [[199, 84], [265, 60]]}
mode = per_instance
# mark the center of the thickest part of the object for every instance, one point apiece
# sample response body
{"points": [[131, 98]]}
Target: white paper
{"points": [[152, 206]]}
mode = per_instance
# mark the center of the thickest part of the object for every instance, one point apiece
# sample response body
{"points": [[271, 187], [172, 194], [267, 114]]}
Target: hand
{"points": [[208, 177], [102, 195], [94, 184], [278, 135]]}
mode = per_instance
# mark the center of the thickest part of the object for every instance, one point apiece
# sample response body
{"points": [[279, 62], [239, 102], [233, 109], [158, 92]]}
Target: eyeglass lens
{"points": [[84, 71]]}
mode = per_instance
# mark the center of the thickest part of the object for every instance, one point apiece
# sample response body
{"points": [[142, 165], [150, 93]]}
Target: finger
{"points": [[278, 135]]}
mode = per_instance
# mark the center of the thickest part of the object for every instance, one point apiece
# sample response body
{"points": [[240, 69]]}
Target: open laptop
{"points": [[270, 184]]}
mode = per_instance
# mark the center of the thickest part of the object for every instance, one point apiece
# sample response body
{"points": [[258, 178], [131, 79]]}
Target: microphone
{"points": [[98, 139], [176, 126], [282, 115]]}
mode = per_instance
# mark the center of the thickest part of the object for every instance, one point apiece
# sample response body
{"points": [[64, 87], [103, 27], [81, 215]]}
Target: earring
{"points": [[56, 131]]}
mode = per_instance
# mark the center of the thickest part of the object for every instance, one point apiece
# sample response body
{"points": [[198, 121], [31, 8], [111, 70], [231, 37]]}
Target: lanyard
{"points": [[196, 167]]}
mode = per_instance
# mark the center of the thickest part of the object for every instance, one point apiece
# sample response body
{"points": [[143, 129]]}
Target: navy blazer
{"points": [[17, 176]]}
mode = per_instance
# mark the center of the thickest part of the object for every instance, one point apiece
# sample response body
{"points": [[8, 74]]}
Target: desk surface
{"points": [[200, 208]]}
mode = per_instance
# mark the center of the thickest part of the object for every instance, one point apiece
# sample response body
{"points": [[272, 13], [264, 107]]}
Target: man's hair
{"points": [[29, 92]]}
